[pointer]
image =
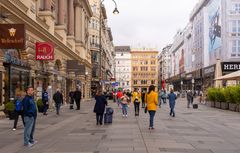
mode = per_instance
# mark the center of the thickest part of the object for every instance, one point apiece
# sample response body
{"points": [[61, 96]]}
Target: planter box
{"points": [[218, 105], [224, 105], [232, 107], [212, 104], [208, 103], [238, 108]]}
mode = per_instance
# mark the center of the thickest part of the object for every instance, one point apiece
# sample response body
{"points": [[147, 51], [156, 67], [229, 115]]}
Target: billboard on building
{"points": [[214, 18]]}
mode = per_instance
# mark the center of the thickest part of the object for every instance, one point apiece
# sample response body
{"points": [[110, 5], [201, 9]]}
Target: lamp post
{"points": [[115, 11], [181, 88], [193, 81]]}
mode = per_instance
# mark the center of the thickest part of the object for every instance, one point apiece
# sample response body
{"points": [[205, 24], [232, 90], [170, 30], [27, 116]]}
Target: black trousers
{"points": [[16, 118], [99, 118], [71, 103], [78, 103], [136, 108]]}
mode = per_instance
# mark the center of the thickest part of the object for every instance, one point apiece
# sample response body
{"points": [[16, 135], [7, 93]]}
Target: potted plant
{"points": [[40, 105], [211, 96], [232, 97], [9, 107]]}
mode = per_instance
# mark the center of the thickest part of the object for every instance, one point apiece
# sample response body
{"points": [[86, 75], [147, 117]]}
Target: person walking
{"points": [[30, 115], [151, 100], [18, 110], [99, 107], [136, 97], [164, 96], [77, 98], [125, 101], [159, 98], [189, 98], [119, 95], [45, 101], [58, 99], [143, 98], [71, 95], [172, 100]]}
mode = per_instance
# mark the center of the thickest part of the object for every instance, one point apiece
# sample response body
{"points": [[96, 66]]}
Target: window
{"points": [[94, 8], [237, 7], [235, 27], [152, 81], [235, 48], [153, 62], [134, 81]]}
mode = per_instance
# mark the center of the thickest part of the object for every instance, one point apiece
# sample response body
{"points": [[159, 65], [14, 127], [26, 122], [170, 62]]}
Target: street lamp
{"points": [[181, 88], [193, 81], [115, 11]]}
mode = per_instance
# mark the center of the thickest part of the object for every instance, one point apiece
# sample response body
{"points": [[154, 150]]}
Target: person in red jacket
{"points": [[119, 96]]}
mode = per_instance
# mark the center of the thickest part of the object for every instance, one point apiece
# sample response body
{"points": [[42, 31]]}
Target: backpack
{"points": [[18, 105]]}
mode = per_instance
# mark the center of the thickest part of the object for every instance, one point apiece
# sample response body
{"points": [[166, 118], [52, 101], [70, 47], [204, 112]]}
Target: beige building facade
{"points": [[144, 68], [102, 61], [61, 22]]}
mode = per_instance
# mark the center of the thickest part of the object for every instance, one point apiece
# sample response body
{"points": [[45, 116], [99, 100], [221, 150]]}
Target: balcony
{"points": [[94, 46]]}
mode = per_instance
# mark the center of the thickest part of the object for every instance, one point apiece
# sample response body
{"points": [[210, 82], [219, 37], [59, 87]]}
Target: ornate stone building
{"points": [[65, 23]]}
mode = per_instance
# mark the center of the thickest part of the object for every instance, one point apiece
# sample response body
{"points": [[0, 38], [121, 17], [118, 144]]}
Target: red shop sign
{"points": [[44, 51]]}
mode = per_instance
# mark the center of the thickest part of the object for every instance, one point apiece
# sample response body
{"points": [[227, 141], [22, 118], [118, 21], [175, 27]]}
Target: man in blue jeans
{"points": [[30, 115]]}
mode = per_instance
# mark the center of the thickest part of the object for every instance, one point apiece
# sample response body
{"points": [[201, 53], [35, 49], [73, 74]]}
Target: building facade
{"points": [[123, 67], [144, 68], [60, 22], [212, 34], [163, 67], [102, 51]]}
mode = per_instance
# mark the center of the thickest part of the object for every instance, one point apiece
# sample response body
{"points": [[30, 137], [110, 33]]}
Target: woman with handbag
{"points": [[152, 103]]}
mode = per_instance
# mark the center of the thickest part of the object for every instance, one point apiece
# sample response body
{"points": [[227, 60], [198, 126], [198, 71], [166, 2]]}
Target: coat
{"points": [[136, 95], [151, 101], [172, 99], [58, 98], [100, 104]]}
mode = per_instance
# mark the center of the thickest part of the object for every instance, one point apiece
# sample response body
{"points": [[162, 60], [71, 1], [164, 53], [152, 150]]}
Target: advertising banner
{"points": [[214, 18]]}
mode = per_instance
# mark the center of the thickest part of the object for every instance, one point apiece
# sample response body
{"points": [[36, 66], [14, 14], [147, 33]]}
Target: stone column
{"points": [[47, 5], [70, 18], [78, 26], [61, 12]]}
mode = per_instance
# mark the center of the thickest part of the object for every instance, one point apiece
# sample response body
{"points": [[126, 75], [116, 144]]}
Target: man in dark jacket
{"points": [[71, 95], [45, 101], [77, 98], [58, 99], [30, 115]]}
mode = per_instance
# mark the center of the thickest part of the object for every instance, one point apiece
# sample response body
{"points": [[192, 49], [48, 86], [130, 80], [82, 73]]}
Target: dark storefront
{"points": [[208, 77], [17, 74]]}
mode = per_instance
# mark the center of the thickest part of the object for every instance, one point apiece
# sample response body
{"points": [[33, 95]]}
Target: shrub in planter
{"points": [[9, 107], [211, 96], [40, 105]]}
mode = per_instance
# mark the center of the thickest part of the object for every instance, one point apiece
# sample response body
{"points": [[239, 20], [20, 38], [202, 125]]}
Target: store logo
{"points": [[44, 51], [12, 36], [12, 32]]}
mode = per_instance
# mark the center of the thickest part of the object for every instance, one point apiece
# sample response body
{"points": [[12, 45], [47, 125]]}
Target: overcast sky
{"points": [[148, 23]]}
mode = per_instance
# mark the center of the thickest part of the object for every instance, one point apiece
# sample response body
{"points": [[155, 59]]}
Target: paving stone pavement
{"points": [[203, 130]]}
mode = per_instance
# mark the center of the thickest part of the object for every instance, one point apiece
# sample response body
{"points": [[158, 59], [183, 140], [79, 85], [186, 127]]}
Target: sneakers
{"points": [[14, 129], [151, 128], [29, 145]]}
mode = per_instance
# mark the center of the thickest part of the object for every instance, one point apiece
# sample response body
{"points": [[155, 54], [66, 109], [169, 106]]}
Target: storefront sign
{"points": [[209, 70], [230, 66], [44, 51], [12, 56], [12, 36]]}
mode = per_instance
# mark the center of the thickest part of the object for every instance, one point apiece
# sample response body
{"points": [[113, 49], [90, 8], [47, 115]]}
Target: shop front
{"points": [[16, 75], [208, 77]]}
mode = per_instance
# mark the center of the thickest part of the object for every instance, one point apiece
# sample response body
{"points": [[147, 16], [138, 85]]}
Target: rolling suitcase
{"points": [[108, 115], [195, 106]]}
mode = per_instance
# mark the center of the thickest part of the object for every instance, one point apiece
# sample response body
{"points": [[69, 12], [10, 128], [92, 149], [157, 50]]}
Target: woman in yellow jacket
{"points": [[136, 97], [152, 103]]}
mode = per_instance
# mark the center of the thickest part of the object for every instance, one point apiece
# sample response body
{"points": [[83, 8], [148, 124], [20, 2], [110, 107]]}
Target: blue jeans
{"points": [[58, 105], [152, 114], [172, 112], [124, 109], [29, 129]]}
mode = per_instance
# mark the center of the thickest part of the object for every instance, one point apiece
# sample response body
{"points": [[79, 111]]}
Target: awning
{"points": [[231, 76]]}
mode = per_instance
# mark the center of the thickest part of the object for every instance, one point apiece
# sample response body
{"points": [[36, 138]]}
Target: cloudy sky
{"points": [[148, 23]]}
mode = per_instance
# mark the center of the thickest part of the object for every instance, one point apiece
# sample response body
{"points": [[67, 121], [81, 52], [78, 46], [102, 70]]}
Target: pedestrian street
{"points": [[203, 130]]}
